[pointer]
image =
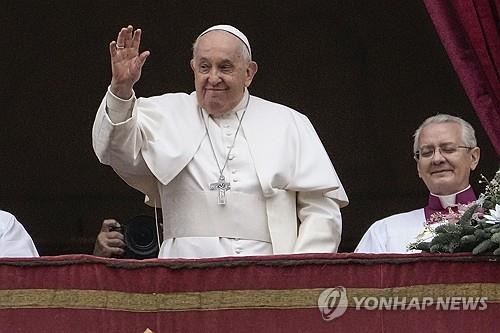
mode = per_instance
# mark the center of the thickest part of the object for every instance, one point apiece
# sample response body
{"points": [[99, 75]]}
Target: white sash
{"points": [[197, 214]]}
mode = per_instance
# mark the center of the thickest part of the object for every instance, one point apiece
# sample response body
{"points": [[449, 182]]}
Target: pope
{"points": [[233, 173]]}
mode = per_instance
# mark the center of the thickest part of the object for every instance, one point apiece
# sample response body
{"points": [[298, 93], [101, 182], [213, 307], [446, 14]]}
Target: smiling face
{"points": [[221, 71], [445, 173]]}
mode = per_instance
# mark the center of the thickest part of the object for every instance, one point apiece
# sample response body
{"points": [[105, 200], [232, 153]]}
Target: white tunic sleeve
{"points": [[320, 223], [154, 142], [119, 110], [14, 240], [117, 140], [118, 143]]}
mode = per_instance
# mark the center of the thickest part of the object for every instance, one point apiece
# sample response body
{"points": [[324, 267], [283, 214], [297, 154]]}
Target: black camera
{"points": [[140, 236]]}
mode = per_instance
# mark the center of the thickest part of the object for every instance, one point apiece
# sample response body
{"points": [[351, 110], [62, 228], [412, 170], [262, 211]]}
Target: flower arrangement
{"points": [[472, 228]]}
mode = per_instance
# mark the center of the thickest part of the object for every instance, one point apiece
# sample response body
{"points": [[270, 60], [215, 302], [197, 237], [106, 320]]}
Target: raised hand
{"points": [[126, 61]]}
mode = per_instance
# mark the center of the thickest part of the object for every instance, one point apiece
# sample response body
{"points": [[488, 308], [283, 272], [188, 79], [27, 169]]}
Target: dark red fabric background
{"points": [[257, 273], [252, 321], [270, 272]]}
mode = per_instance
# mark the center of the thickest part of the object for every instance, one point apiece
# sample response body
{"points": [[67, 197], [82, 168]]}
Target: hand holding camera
{"points": [[110, 241], [134, 239]]}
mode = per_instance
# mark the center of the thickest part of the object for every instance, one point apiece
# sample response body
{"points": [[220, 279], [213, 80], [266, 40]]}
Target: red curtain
{"points": [[468, 30]]}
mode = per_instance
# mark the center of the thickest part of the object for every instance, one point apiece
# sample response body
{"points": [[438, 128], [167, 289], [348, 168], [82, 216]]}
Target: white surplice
{"points": [[14, 240], [393, 234], [155, 143]]}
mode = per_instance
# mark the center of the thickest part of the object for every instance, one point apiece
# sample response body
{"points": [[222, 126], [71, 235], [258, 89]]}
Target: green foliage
{"points": [[484, 246], [423, 246], [482, 234], [467, 215], [468, 230], [468, 239], [447, 228], [451, 238], [495, 237]]}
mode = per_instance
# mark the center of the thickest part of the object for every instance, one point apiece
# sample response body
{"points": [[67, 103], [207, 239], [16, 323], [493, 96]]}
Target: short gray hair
{"points": [[243, 48], [468, 134]]}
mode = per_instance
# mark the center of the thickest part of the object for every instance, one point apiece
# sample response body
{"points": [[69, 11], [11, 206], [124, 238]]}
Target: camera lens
{"points": [[140, 238]]}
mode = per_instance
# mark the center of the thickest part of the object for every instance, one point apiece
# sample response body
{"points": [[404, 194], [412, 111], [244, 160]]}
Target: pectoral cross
{"points": [[222, 186]]}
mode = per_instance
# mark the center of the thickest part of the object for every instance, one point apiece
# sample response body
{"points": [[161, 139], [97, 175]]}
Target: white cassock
{"points": [[393, 234], [278, 170], [14, 240]]}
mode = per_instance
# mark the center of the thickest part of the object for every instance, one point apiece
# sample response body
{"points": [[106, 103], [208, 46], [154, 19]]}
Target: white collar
{"points": [[449, 199]]}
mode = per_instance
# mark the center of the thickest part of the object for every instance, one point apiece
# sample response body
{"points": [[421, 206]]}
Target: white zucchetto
{"points": [[232, 30]]}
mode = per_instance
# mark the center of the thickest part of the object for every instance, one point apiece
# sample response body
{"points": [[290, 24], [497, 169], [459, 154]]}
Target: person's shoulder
{"points": [[272, 105], [174, 102], [277, 109], [6, 219], [395, 222], [178, 95], [400, 217], [170, 97], [6, 216]]}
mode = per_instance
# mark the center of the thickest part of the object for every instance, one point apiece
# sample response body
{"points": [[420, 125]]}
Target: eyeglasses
{"points": [[427, 152]]}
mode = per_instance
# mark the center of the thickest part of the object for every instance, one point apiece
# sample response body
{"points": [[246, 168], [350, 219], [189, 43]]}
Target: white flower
{"points": [[494, 215]]}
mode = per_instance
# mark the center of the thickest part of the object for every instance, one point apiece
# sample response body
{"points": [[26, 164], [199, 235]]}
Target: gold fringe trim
{"points": [[227, 299]]}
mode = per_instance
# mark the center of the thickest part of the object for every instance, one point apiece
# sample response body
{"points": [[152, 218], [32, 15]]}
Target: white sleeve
{"points": [[117, 138], [119, 110], [120, 144], [320, 226], [14, 240]]}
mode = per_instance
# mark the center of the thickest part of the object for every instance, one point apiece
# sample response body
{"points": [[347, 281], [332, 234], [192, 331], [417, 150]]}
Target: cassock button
{"points": [[229, 133], [231, 157]]}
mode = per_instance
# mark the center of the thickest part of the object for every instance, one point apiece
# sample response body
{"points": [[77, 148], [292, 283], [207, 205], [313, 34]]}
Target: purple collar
{"points": [[434, 204]]}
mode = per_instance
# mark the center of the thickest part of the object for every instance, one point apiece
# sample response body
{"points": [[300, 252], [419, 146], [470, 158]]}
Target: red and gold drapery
{"points": [[252, 294]]}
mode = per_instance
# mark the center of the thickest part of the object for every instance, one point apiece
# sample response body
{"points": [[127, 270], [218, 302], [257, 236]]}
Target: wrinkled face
{"points": [[447, 171], [221, 72]]}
